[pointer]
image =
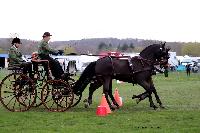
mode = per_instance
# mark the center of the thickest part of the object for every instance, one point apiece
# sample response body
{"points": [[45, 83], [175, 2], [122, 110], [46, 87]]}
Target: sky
{"points": [[166, 20]]}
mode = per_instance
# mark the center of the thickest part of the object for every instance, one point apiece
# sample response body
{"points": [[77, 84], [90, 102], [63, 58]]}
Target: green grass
{"points": [[180, 95]]}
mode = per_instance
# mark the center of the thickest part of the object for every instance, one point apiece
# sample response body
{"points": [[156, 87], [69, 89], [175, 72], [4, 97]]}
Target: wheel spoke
{"points": [[58, 97], [14, 104], [10, 101], [7, 96], [14, 94], [51, 105]]}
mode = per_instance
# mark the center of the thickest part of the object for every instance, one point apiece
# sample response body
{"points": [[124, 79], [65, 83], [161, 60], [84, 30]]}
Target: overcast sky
{"points": [[167, 20]]}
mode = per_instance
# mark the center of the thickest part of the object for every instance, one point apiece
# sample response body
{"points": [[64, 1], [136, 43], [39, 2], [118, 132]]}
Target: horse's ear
{"points": [[163, 45], [167, 49]]}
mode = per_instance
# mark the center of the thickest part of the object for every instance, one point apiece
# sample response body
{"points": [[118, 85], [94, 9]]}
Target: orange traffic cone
{"points": [[101, 111], [118, 99], [104, 103]]}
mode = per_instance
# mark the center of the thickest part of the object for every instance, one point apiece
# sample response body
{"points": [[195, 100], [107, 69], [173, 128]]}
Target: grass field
{"points": [[180, 95]]}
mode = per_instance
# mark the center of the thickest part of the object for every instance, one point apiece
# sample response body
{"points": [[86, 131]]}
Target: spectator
{"points": [[188, 69]]}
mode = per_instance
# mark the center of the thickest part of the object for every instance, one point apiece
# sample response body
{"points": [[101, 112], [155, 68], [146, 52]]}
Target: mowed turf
{"points": [[180, 95]]}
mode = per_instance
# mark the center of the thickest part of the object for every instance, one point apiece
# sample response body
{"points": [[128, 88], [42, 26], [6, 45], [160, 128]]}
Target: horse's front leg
{"points": [[106, 87], [151, 102], [111, 96], [156, 95], [157, 98]]}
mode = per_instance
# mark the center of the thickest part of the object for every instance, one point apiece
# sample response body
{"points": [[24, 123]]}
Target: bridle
{"points": [[151, 62], [162, 61]]}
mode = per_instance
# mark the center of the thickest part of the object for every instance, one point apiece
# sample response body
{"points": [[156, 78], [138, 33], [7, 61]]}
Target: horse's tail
{"points": [[85, 78]]}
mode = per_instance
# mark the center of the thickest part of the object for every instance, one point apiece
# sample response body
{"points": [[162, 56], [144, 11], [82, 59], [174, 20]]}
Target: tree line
{"points": [[191, 49], [121, 47], [96, 45]]}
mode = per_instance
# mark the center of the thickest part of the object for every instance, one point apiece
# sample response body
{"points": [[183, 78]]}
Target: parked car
{"points": [[194, 69]]}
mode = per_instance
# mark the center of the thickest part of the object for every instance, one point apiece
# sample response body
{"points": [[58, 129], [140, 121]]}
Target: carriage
{"points": [[18, 92]]}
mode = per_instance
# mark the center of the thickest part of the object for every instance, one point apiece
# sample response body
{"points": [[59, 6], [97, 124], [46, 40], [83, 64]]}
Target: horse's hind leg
{"points": [[141, 97], [93, 86], [138, 96], [148, 88]]}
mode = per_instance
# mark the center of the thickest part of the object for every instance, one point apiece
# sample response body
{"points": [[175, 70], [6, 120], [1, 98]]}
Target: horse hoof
{"points": [[162, 107], [86, 105], [137, 100], [85, 100], [112, 108], [134, 96], [116, 107], [155, 107]]}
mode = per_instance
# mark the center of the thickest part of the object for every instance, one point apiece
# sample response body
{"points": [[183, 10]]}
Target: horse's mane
{"points": [[149, 50], [83, 81]]}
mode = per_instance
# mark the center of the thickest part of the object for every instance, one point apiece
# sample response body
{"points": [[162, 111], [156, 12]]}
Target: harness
{"points": [[143, 61], [111, 60]]}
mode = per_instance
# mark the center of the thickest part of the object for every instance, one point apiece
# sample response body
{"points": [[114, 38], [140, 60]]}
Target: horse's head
{"points": [[156, 53], [162, 55], [163, 60]]}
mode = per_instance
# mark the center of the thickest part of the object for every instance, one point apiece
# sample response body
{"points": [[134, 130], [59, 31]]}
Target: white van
{"points": [[187, 61]]}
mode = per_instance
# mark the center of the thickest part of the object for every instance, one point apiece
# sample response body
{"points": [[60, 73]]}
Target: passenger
{"points": [[15, 58]]}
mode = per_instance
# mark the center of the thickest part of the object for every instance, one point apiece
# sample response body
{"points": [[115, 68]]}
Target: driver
{"points": [[44, 51]]}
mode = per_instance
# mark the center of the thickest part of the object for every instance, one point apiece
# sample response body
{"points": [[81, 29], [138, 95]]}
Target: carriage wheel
{"points": [[17, 92], [39, 86], [41, 81], [57, 96], [77, 99]]}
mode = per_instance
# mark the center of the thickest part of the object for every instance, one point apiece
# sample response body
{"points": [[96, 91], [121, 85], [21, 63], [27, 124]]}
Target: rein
{"points": [[149, 62]]}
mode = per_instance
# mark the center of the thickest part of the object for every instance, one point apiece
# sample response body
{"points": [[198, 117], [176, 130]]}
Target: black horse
{"points": [[133, 70]]}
